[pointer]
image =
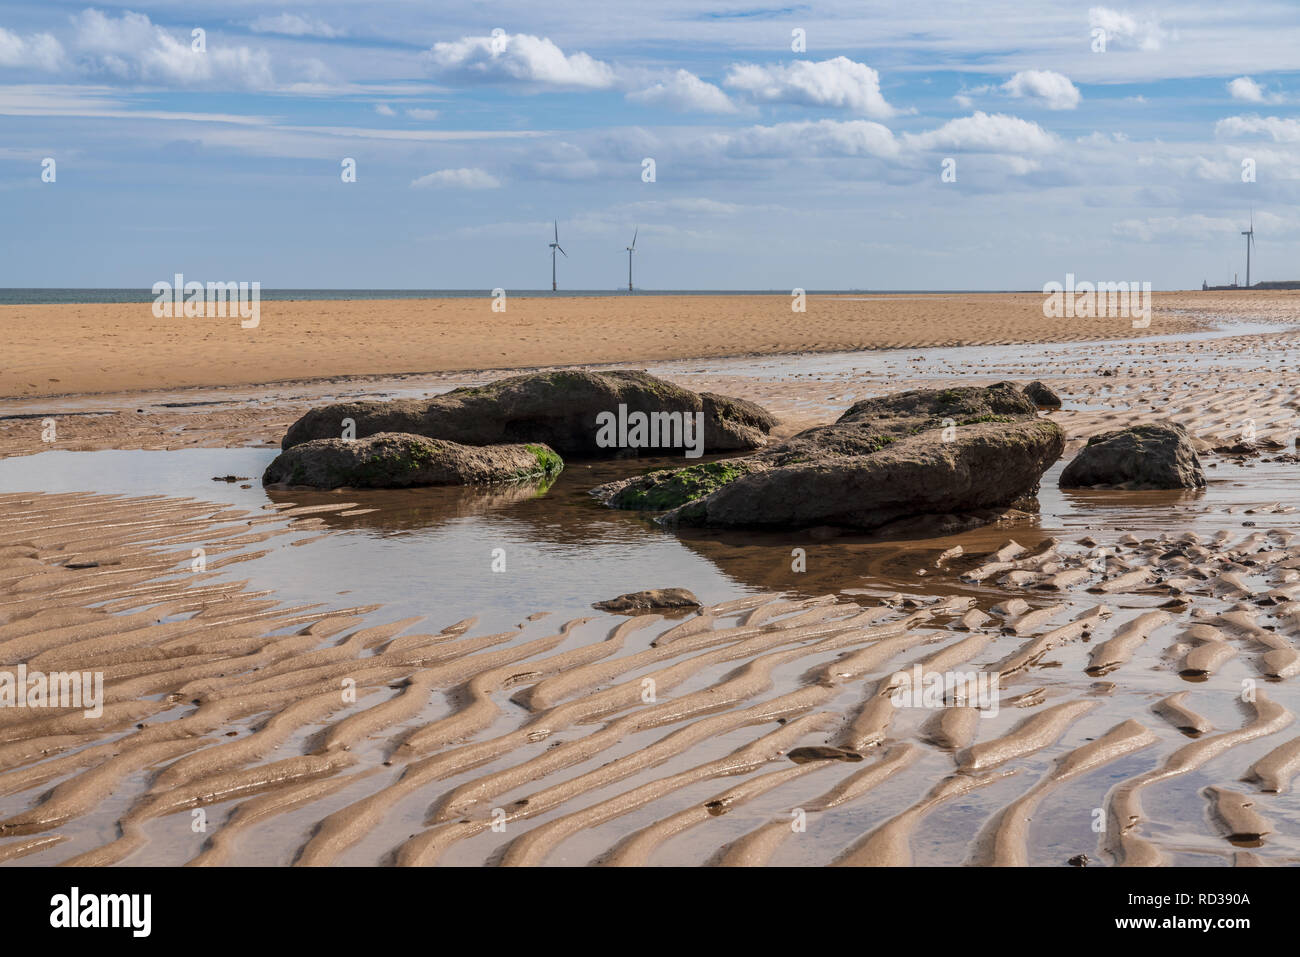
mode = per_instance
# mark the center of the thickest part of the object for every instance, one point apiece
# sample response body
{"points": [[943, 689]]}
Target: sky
{"points": [[998, 144]]}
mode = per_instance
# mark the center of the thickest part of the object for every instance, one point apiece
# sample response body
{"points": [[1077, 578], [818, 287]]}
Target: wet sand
{"points": [[1145, 645]]}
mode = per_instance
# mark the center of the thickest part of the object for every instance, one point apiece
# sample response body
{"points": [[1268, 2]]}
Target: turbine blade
{"points": [[634, 234], [562, 252], [556, 224]]}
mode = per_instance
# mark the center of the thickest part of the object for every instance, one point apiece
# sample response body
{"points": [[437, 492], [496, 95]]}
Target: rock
{"points": [[668, 488], [654, 599], [1042, 396], [822, 752], [1156, 455], [558, 409], [966, 452], [397, 460], [1243, 448]]}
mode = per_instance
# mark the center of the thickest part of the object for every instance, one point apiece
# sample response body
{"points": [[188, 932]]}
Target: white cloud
{"points": [[811, 139], [685, 92], [1053, 90], [293, 25], [134, 49], [1146, 34], [520, 57], [987, 133], [416, 113], [839, 82], [383, 109], [458, 179], [39, 51], [1278, 129], [699, 205], [1244, 88], [100, 102]]}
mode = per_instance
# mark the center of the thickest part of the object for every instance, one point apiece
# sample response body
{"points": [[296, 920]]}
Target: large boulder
{"points": [[559, 409], [397, 460], [921, 453], [1155, 455]]}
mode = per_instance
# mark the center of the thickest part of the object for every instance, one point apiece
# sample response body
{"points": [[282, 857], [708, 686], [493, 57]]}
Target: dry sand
{"points": [[1147, 688], [59, 349]]}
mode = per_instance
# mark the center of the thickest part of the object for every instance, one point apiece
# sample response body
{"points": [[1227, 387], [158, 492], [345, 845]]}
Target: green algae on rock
{"points": [[398, 460]]}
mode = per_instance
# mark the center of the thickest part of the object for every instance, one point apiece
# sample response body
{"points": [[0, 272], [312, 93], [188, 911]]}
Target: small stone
{"points": [[654, 599]]}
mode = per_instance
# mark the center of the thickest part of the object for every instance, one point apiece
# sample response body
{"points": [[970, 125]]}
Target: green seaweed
{"points": [[548, 462], [678, 487]]}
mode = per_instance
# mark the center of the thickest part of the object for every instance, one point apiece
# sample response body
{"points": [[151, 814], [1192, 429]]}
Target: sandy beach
{"points": [[338, 677], [47, 345]]}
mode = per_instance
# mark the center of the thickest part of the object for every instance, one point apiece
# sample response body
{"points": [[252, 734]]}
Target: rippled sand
{"points": [[1144, 645]]}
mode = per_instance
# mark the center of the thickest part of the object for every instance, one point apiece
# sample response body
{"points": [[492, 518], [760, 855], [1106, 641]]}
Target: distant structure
{"points": [[1250, 244], [630, 250], [554, 246], [1250, 241]]}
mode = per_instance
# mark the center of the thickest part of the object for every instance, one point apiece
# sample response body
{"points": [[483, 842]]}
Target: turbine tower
{"points": [[554, 246], [1250, 241], [630, 250]]}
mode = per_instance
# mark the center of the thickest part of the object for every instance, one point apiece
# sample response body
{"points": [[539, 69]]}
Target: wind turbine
{"points": [[554, 246], [630, 250], [1250, 241]]}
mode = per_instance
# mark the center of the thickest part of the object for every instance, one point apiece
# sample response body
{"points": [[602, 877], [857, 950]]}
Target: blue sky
{"points": [[475, 124]]}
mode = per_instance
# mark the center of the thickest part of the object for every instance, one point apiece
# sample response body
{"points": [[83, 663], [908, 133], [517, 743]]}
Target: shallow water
{"points": [[432, 550]]}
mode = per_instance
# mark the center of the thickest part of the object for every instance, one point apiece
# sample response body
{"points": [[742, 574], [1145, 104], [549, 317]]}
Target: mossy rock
{"points": [[399, 460], [959, 451], [560, 409], [664, 489]]}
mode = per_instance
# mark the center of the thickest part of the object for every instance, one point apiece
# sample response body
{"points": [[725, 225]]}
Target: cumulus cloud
{"points": [[986, 133], [293, 25], [1145, 34], [37, 51], [1276, 128], [135, 49], [838, 82], [473, 178], [383, 109], [1246, 89], [685, 92], [519, 58], [1052, 90]]}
